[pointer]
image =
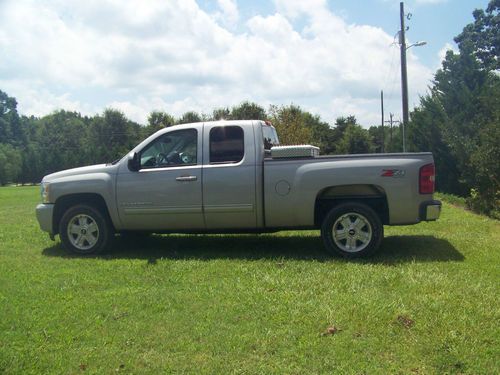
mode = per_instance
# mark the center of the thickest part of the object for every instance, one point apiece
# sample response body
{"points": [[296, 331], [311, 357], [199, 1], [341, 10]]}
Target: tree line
{"points": [[31, 147], [458, 120]]}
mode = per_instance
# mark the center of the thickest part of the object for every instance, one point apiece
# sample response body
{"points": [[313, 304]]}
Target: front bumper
{"points": [[430, 210], [44, 214]]}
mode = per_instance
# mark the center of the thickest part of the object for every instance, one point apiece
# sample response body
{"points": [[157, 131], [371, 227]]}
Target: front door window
{"points": [[174, 149]]}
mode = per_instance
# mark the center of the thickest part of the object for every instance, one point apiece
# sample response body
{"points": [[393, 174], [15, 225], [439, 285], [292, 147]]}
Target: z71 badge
{"points": [[398, 173]]}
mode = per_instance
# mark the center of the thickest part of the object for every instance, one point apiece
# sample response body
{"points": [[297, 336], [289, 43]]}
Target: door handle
{"points": [[186, 178]]}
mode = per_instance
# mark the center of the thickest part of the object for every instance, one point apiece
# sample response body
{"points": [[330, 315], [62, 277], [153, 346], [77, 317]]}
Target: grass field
{"points": [[256, 304]]}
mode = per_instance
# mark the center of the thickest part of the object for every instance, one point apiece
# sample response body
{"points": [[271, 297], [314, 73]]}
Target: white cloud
{"points": [[296, 8], [228, 14], [171, 55], [38, 100]]}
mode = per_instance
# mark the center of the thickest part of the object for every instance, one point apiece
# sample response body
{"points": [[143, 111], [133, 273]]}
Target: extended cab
{"points": [[232, 176]]}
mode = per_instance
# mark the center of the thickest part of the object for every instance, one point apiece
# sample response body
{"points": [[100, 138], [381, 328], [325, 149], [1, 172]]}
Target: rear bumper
{"points": [[430, 210], [44, 214]]}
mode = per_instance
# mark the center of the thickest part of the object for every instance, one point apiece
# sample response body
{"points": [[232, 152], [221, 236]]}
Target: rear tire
{"points": [[84, 230], [352, 230]]}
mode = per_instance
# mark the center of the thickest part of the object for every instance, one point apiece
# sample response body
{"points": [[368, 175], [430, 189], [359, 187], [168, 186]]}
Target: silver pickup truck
{"points": [[233, 177]]}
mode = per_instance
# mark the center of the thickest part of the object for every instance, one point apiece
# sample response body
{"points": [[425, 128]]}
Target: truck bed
{"points": [[293, 185]]}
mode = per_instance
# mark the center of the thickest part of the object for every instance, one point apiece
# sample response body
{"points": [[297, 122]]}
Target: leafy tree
{"points": [[112, 135], [483, 36], [221, 114], [158, 120], [394, 138], [244, 111], [343, 122], [379, 137], [427, 132], [340, 126], [485, 159], [322, 134], [10, 164], [290, 125], [248, 111], [390, 138], [450, 120], [459, 120], [355, 140], [189, 117], [61, 140], [32, 164], [9, 120], [32, 168]]}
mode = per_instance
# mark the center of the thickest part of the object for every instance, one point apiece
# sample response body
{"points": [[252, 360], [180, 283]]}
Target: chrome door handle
{"points": [[186, 178]]}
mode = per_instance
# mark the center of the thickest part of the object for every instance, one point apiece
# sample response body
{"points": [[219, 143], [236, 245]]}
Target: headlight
{"points": [[44, 191]]}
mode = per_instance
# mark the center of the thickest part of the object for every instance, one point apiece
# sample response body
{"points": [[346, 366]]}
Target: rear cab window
{"points": [[270, 138]]}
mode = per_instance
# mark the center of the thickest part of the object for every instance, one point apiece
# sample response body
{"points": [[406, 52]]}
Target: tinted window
{"points": [[176, 148], [270, 137], [226, 144]]}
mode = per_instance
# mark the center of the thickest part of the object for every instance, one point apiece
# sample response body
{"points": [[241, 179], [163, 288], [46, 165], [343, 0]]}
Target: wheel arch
{"points": [[373, 196], [66, 201]]}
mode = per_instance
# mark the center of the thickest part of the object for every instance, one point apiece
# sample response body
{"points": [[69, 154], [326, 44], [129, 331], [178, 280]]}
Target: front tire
{"points": [[84, 230], [352, 230]]}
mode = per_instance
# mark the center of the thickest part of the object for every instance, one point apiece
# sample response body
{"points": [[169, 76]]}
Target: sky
{"points": [[329, 57]]}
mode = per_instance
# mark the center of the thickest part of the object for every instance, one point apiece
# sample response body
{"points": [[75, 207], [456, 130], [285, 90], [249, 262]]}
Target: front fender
{"points": [[93, 183]]}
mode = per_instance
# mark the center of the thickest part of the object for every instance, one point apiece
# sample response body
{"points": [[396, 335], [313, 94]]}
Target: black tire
{"points": [[362, 237], [87, 223]]}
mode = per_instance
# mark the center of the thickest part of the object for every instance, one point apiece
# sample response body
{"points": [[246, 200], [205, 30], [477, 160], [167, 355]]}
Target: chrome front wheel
{"points": [[85, 230]]}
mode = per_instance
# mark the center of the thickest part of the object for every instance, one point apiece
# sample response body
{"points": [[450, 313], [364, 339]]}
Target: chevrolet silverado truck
{"points": [[233, 177]]}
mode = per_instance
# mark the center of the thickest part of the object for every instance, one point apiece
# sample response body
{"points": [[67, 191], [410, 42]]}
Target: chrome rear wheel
{"points": [[352, 230]]}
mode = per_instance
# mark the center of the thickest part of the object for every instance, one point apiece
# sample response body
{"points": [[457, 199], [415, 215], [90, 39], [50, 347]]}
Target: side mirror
{"points": [[134, 163]]}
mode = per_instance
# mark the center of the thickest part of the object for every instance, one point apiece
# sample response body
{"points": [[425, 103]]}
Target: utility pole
{"points": [[391, 122], [382, 108], [404, 72]]}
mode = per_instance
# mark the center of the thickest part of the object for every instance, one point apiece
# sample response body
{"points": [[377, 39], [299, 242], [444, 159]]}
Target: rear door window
{"points": [[226, 144]]}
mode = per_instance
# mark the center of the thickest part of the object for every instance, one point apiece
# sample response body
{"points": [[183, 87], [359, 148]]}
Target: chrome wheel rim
{"points": [[83, 232], [352, 232]]}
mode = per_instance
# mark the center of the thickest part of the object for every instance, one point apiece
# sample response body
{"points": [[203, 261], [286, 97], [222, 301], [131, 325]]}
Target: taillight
{"points": [[426, 179]]}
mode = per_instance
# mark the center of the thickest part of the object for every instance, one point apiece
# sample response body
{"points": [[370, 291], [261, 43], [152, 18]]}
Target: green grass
{"points": [[454, 200], [427, 303]]}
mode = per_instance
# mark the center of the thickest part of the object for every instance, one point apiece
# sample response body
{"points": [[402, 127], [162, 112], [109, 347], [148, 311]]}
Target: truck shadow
{"points": [[394, 249]]}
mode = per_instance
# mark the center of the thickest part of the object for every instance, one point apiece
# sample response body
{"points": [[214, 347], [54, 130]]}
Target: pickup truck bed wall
{"points": [[292, 186]]}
